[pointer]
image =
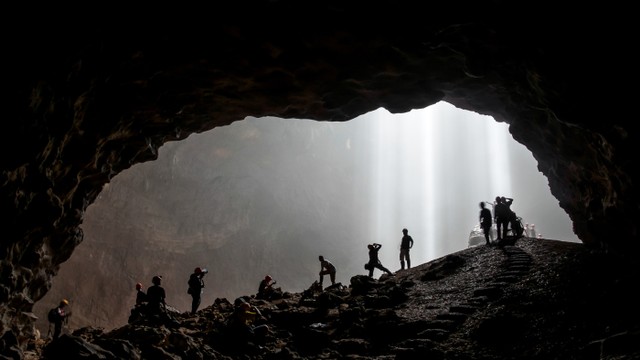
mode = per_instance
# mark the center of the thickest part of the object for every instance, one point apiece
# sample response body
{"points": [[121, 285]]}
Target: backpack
{"points": [[53, 315], [194, 284]]}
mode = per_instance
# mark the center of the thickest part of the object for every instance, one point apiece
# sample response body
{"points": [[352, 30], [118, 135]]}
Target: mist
{"points": [[268, 195]]}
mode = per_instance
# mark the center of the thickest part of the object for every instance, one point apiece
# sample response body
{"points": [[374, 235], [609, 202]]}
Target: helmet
{"points": [[197, 270], [156, 280], [268, 277], [64, 302], [138, 286]]}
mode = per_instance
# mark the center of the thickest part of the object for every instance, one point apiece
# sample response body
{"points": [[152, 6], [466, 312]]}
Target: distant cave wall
{"points": [[84, 104]]}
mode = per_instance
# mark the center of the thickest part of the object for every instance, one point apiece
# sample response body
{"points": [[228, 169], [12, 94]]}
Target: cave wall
{"points": [[89, 96]]}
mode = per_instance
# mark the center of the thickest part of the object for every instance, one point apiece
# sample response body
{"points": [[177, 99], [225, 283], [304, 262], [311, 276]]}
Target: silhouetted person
{"points": [[196, 284], [140, 306], [248, 324], [501, 217], [57, 316], [141, 296], [405, 245], [374, 261], [156, 295], [265, 289], [510, 213], [485, 222], [327, 268]]}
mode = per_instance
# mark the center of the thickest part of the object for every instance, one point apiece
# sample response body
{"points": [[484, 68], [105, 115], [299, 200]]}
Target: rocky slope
{"points": [[530, 299]]}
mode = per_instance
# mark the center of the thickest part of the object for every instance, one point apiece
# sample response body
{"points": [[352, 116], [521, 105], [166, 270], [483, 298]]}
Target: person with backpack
{"points": [[196, 284], [57, 316]]}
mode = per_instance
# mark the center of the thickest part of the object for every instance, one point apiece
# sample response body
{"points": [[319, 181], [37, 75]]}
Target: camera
{"points": [[204, 271]]}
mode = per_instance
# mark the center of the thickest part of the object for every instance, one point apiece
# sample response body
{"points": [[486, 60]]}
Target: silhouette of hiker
{"points": [[156, 295], [405, 245], [141, 302], [485, 222], [265, 289], [516, 226], [501, 217], [327, 268], [141, 296], [507, 202], [195, 287], [374, 261]]}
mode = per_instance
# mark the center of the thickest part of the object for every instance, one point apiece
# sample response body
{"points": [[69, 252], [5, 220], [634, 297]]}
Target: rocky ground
{"points": [[531, 299]]}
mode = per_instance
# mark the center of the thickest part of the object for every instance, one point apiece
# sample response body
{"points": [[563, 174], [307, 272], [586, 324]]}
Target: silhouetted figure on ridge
{"points": [[374, 261], [196, 284], [485, 222], [510, 213], [140, 306], [327, 268], [501, 217], [405, 246], [156, 295], [141, 296], [265, 289]]}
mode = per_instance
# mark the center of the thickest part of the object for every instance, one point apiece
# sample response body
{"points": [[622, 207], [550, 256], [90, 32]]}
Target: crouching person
{"points": [[247, 324]]}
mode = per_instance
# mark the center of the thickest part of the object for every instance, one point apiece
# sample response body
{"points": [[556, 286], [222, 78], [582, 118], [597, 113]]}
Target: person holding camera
{"points": [[374, 261], [195, 287]]}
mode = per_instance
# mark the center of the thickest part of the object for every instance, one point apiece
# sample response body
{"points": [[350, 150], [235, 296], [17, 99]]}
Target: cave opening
{"points": [[245, 199]]}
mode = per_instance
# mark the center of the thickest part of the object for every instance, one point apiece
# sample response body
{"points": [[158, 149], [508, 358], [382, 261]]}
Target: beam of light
{"points": [[427, 171]]}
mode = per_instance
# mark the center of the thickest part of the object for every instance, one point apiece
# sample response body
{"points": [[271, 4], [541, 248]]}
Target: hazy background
{"points": [[267, 196]]}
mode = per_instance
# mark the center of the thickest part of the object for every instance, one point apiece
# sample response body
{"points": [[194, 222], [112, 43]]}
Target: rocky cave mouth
{"points": [[84, 106], [210, 180]]}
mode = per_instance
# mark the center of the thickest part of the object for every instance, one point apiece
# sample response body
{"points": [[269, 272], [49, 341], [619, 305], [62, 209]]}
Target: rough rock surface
{"points": [[87, 97], [531, 299]]}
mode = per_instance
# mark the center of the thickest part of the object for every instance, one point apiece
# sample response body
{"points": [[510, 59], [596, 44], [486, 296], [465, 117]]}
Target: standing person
{"points": [[265, 289], [156, 295], [405, 245], [196, 284], [327, 268], [57, 316], [501, 217], [374, 261], [485, 222], [512, 219]]}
